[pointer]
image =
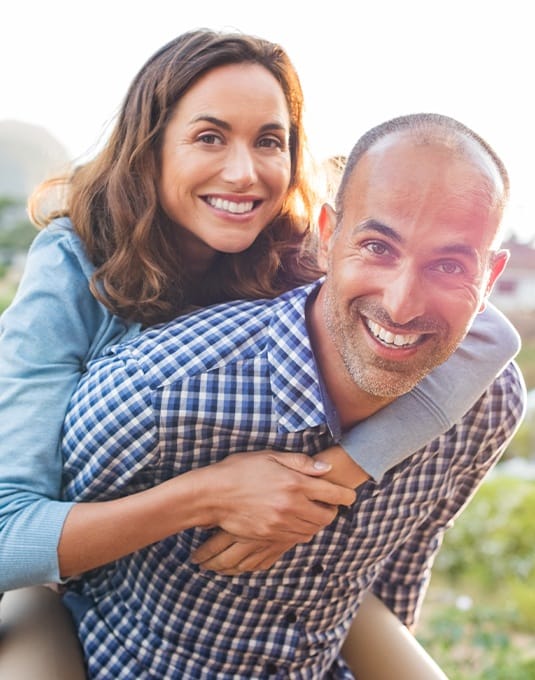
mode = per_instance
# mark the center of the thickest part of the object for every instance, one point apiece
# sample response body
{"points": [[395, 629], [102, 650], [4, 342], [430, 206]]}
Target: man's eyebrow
{"points": [[213, 120], [449, 249], [459, 249], [380, 228]]}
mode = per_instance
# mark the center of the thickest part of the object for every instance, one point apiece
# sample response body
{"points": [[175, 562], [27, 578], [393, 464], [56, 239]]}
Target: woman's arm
{"points": [[52, 326], [288, 502], [111, 435]]}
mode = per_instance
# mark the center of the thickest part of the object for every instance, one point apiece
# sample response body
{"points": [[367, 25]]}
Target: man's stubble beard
{"points": [[380, 378]]}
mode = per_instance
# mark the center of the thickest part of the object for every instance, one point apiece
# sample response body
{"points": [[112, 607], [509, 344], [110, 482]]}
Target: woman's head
{"points": [[128, 203], [170, 73], [225, 161]]}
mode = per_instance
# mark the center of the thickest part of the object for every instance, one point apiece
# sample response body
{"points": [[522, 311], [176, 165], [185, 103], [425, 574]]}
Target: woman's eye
{"points": [[209, 138], [270, 143]]}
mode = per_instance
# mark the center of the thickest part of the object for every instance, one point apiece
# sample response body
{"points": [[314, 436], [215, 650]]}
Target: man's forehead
{"points": [[400, 155]]}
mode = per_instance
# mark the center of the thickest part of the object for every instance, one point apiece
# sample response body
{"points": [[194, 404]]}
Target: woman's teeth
{"points": [[230, 206]]}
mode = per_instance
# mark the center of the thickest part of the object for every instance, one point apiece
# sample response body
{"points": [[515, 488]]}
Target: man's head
{"points": [[411, 251]]}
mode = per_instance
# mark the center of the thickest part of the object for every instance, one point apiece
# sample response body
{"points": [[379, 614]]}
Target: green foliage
{"points": [[491, 544], [7, 202], [5, 298], [526, 361], [477, 645], [523, 443], [17, 237], [525, 323], [479, 617]]}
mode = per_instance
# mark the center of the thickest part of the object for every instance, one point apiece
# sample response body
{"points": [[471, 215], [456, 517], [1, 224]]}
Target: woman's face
{"points": [[226, 162]]}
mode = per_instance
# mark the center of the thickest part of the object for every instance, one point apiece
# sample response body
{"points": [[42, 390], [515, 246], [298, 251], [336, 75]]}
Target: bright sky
{"points": [[66, 66]]}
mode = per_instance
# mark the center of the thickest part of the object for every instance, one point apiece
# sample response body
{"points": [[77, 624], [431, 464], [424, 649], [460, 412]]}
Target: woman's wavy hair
{"points": [[113, 203]]}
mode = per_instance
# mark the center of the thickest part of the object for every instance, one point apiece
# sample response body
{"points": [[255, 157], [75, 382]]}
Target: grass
{"points": [[479, 643], [478, 620]]}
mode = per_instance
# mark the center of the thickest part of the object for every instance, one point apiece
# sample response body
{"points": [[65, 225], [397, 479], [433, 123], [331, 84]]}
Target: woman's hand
{"points": [[229, 554], [271, 495]]}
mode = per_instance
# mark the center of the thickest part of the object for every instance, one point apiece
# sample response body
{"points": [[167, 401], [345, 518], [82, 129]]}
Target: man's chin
{"points": [[389, 385]]}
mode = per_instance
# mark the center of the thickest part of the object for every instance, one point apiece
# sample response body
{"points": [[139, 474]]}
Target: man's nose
{"points": [[240, 168], [404, 295]]}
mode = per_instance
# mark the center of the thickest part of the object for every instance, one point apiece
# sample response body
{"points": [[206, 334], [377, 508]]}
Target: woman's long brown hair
{"points": [[112, 200]]}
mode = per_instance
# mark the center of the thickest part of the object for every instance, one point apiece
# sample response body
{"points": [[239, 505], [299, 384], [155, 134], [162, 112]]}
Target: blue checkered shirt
{"points": [[237, 377]]}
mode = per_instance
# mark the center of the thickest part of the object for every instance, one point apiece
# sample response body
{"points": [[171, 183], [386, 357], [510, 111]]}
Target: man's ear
{"points": [[327, 224], [499, 260]]}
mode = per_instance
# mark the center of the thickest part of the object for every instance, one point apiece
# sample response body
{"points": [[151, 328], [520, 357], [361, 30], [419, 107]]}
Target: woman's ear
{"points": [[327, 224]]}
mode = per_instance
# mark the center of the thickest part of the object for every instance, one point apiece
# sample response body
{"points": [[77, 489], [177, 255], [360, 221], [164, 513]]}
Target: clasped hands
{"points": [[297, 505]]}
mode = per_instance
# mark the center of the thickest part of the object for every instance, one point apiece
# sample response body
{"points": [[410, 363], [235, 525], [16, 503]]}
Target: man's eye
{"points": [[377, 247], [449, 267]]}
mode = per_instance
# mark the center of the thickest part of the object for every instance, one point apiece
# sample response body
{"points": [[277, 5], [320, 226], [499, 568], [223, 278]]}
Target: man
{"points": [[411, 257]]}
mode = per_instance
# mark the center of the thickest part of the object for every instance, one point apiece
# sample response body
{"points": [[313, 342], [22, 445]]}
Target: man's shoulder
{"points": [[212, 337], [509, 391], [501, 409]]}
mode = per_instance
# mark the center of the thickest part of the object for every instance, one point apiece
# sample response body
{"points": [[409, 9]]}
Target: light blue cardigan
{"points": [[55, 326]]}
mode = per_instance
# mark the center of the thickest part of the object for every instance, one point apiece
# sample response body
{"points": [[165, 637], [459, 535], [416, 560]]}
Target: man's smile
{"points": [[390, 339]]}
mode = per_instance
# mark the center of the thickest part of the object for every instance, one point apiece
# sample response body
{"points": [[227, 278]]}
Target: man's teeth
{"points": [[230, 206], [390, 338]]}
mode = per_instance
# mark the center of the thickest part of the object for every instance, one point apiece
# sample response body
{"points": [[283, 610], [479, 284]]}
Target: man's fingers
{"points": [[330, 492]]}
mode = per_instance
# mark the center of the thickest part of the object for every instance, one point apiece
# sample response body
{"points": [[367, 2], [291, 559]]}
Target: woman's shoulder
{"points": [[58, 241]]}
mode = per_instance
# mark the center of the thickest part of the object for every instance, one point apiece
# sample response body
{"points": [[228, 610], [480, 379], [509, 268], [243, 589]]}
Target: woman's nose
{"points": [[240, 169]]}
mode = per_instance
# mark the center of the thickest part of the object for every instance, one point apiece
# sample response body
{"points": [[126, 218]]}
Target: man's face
{"points": [[411, 262]]}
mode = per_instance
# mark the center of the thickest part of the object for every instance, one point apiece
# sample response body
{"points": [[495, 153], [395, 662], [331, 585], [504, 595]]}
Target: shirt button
{"points": [[271, 668], [291, 617], [317, 569]]}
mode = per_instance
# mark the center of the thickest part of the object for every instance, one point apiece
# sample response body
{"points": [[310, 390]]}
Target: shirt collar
{"points": [[295, 381]]}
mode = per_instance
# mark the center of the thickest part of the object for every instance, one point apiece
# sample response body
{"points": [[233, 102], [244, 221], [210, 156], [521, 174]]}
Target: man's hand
{"points": [[230, 555]]}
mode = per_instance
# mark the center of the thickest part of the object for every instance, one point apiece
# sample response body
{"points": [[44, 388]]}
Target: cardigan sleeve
{"points": [[52, 327]]}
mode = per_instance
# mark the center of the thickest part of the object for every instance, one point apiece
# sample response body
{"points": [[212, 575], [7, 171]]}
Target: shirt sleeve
{"points": [[44, 338], [110, 442], [480, 440], [441, 399]]}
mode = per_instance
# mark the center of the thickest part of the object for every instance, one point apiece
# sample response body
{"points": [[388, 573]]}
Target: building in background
{"points": [[514, 291]]}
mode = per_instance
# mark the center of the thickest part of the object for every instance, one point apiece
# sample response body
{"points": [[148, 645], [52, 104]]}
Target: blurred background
{"points": [[65, 69]]}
